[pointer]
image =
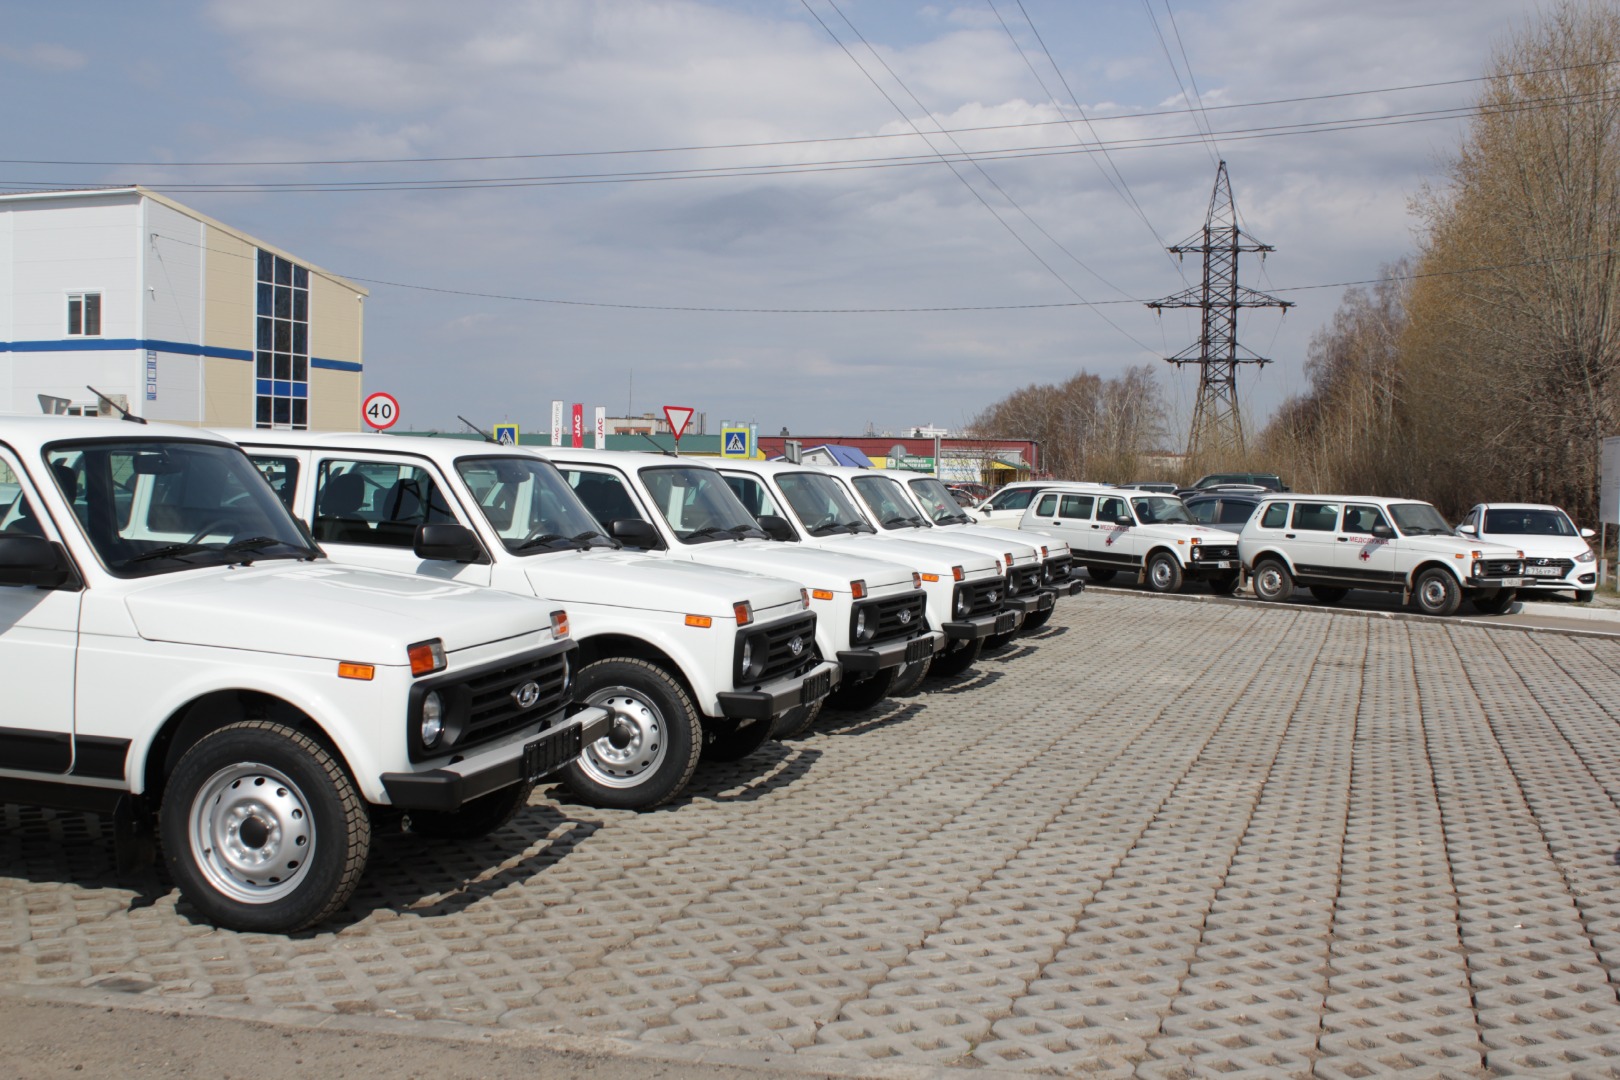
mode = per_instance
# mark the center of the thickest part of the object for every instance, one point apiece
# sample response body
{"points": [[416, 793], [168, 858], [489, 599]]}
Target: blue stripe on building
{"points": [[181, 348]]}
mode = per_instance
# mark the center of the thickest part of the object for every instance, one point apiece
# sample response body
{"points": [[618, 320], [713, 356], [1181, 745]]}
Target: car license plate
{"points": [[1512, 582], [1543, 571], [918, 649], [550, 752], [815, 688], [1221, 564]]}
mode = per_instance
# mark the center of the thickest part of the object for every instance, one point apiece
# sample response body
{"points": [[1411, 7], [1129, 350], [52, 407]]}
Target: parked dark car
{"points": [[1222, 510], [1269, 481]]}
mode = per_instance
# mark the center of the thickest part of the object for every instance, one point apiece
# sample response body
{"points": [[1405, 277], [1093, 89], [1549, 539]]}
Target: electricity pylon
{"points": [[1217, 425]]}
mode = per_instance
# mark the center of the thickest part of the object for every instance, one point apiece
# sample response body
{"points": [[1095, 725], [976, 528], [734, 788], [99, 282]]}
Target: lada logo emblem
{"points": [[527, 695], [992, 596], [905, 616], [796, 646]]}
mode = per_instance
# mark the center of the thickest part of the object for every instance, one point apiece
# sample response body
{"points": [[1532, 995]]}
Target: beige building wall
{"points": [[336, 332], [228, 324]]}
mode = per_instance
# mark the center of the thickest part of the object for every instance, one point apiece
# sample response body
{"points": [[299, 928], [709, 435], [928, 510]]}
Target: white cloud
{"points": [[44, 56]]}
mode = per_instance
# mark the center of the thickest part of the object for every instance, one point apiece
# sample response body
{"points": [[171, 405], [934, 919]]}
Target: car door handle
{"points": [[1289, 536], [1057, 522], [1096, 526], [1343, 539]]}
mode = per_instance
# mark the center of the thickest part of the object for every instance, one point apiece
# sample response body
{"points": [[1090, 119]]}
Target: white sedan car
{"points": [[1556, 553]]}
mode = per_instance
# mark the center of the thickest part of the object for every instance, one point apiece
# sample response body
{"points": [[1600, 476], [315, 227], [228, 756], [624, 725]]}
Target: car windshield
{"points": [[936, 499], [1528, 523], [698, 504], [821, 503], [1418, 519], [1161, 510], [157, 506], [529, 505], [888, 503]]}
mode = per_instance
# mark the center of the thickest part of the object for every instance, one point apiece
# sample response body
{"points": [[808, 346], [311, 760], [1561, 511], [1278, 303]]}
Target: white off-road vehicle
{"points": [[870, 614], [1331, 544], [1144, 533], [1006, 505], [689, 659], [801, 504], [178, 653], [889, 508]]}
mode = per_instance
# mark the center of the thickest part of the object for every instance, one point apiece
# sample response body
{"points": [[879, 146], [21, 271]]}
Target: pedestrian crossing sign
{"points": [[734, 442], [506, 434]]}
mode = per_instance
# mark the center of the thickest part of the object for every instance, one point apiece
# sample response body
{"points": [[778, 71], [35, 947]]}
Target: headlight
{"points": [[1586, 556], [1479, 569], [432, 719], [864, 625], [964, 603], [751, 660], [567, 674]]}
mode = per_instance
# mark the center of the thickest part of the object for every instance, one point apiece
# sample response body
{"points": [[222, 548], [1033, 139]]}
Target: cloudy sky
{"points": [[728, 204]]}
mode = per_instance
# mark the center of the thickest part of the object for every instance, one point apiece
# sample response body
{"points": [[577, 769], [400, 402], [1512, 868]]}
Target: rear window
{"points": [[1316, 517]]}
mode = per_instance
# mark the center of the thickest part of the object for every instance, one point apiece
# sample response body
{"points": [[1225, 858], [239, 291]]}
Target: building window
{"points": [[84, 314], [281, 348]]}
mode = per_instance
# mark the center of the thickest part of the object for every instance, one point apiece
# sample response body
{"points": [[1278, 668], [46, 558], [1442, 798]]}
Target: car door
{"points": [[1363, 557], [1114, 544], [1312, 539], [39, 630]]}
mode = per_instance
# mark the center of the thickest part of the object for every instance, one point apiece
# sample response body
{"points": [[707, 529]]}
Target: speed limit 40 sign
{"points": [[380, 410]]}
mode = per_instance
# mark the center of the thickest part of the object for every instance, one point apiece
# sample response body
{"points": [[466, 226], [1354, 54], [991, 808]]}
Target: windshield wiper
{"points": [[539, 541], [170, 551], [709, 530], [856, 527], [896, 522], [259, 543], [584, 540]]}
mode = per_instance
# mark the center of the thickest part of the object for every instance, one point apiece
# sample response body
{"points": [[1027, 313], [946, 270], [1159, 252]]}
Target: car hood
{"points": [[1448, 544], [326, 610], [929, 558], [638, 581], [1007, 536], [1541, 547]]}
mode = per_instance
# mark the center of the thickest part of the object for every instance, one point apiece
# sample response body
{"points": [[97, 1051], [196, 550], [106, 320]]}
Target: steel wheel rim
{"points": [[1160, 574], [252, 833], [1432, 593], [1269, 582], [627, 766]]}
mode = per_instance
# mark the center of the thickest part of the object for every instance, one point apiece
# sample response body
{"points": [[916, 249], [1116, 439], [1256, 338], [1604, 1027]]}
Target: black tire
{"points": [[723, 740], [797, 720], [1099, 575], [959, 659], [909, 678], [1436, 592], [855, 696], [1328, 594], [1001, 641], [1225, 585], [480, 817], [1037, 620], [262, 828], [1272, 581], [1164, 573], [1495, 603], [1584, 596], [658, 727]]}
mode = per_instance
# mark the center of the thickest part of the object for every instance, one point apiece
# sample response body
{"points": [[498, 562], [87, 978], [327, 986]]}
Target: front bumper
{"points": [[777, 698], [890, 654], [1494, 582], [453, 786], [983, 626]]}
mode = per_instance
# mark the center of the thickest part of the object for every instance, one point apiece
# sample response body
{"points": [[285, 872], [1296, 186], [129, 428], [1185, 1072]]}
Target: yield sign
{"points": [[678, 416]]}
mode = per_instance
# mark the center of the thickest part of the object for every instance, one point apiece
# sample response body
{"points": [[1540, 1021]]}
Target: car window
{"points": [[1012, 498], [1161, 510], [17, 515], [528, 503], [604, 494], [697, 503], [281, 473], [1077, 506], [1111, 509], [1203, 510], [1418, 519], [1316, 517], [887, 502], [1362, 519], [1235, 511], [1047, 506], [1276, 516], [753, 494], [375, 502]]}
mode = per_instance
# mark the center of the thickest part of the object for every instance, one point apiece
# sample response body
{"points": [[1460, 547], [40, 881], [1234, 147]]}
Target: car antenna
{"points": [[123, 413], [660, 449], [487, 436]]}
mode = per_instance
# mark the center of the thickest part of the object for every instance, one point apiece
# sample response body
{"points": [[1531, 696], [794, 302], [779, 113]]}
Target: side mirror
{"points": [[1587, 534], [1467, 530], [635, 533], [448, 541], [1124, 521], [777, 527], [33, 560], [1383, 532]]}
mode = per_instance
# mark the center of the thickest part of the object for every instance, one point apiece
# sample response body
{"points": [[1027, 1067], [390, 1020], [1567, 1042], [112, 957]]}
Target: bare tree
{"points": [[1088, 428]]}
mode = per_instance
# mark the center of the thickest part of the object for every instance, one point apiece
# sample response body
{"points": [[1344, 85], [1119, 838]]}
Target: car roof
{"points": [[28, 432], [441, 450], [1521, 506], [629, 459]]}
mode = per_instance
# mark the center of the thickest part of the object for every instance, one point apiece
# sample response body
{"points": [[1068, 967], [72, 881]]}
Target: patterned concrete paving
{"points": [[1160, 839]]}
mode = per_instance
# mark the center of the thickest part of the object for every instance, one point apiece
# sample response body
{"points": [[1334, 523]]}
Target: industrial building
{"points": [[170, 314]]}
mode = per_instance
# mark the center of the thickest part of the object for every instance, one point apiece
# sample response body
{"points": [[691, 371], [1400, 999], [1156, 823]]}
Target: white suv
{"points": [[1144, 533], [1334, 543], [177, 653], [689, 659], [1557, 555]]}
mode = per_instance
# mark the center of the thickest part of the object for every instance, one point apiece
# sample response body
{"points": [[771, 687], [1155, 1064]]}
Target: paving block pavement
{"points": [[1156, 839]]}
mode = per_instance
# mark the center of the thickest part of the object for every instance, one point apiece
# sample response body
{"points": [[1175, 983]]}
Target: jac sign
{"points": [[380, 411]]}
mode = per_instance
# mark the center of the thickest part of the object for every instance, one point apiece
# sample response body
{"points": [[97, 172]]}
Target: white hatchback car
{"points": [[1557, 555]]}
